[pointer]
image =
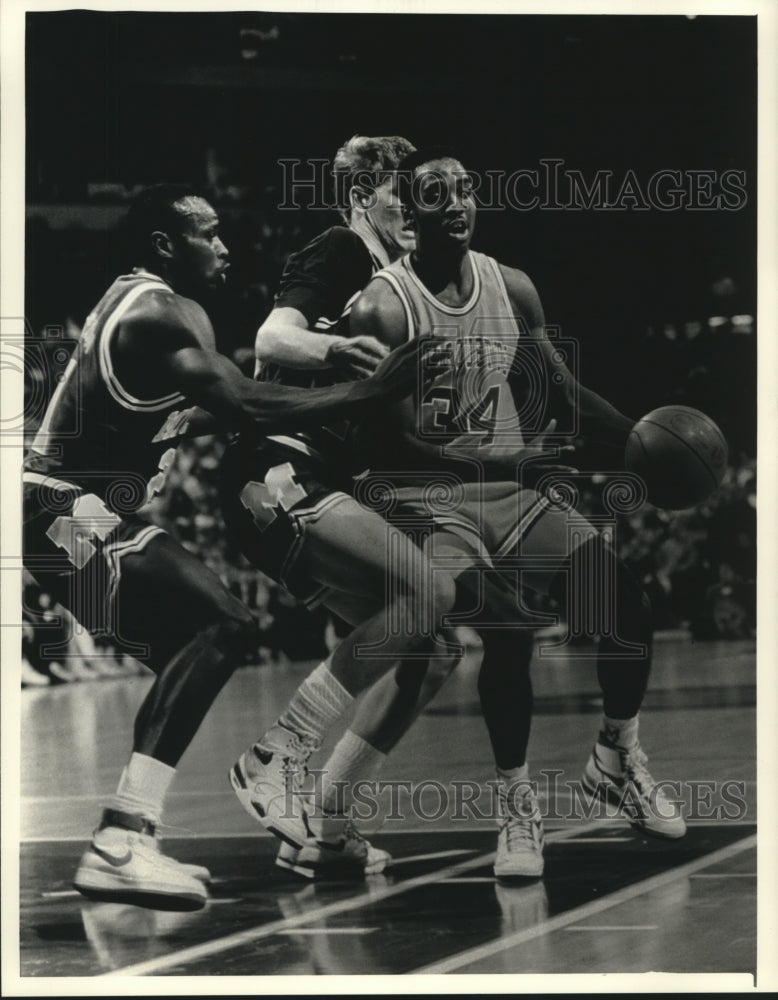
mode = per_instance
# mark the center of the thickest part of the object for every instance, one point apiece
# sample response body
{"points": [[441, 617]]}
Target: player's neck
{"points": [[153, 272], [446, 272]]}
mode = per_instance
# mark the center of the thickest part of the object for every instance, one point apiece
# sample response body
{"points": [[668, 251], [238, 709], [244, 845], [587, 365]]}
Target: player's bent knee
{"points": [[238, 632]]}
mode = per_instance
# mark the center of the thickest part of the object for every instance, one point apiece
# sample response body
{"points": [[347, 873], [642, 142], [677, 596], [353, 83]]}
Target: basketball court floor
{"points": [[612, 901]]}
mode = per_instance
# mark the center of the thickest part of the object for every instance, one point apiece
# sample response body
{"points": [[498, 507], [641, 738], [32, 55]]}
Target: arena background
{"points": [[662, 302]]}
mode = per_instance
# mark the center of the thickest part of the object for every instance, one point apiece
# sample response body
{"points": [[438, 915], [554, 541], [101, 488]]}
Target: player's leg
{"points": [[347, 549], [504, 681], [196, 633], [601, 599], [129, 579]]}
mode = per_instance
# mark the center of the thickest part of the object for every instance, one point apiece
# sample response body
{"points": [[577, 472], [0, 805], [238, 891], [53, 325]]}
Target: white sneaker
{"points": [[620, 777], [126, 866], [520, 840], [340, 851], [267, 779]]}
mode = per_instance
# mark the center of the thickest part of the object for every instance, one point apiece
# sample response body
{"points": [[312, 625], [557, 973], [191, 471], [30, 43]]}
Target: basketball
{"points": [[680, 454]]}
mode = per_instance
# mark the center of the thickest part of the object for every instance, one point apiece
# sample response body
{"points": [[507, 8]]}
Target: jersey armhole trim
{"points": [[105, 365], [504, 290], [391, 279]]}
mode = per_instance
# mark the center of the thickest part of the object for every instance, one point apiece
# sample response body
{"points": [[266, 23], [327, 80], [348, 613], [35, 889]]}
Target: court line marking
{"points": [[614, 927], [324, 930], [562, 921], [253, 934], [725, 875], [468, 879], [599, 840], [432, 857]]}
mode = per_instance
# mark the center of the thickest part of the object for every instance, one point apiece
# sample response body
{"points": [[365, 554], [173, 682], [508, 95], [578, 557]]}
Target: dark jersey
{"points": [[322, 281], [95, 434]]}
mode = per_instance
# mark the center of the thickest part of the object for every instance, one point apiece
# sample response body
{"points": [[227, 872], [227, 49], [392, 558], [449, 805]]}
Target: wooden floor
{"points": [[611, 901]]}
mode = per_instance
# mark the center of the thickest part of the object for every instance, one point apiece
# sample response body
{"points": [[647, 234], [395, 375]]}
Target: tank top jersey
{"points": [[322, 281], [95, 434], [465, 389]]}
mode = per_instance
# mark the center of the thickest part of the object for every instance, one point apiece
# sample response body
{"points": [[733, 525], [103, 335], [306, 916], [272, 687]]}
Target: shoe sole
{"points": [[240, 786], [514, 879], [150, 898], [612, 797]]}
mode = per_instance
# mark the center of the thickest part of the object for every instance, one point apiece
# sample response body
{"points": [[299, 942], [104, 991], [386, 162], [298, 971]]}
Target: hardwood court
{"points": [[611, 900]]}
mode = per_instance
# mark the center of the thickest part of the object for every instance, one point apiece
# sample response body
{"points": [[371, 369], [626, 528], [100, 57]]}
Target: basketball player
{"points": [[305, 340], [145, 361], [320, 544], [466, 417]]}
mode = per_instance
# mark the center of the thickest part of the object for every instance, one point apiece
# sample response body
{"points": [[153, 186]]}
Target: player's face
{"points": [[386, 218], [443, 203], [200, 257]]}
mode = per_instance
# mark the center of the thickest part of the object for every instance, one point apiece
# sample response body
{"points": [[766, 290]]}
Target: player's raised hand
{"points": [[357, 356]]}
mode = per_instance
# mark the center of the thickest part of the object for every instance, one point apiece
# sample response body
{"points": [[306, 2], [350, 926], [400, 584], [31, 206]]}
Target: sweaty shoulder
{"points": [[165, 319], [523, 296], [379, 313]]}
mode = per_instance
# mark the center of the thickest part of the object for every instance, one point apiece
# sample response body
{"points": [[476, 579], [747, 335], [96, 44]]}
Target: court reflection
{"points": [[121, 935]]}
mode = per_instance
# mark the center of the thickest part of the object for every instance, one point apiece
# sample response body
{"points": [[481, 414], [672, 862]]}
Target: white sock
{"points": [[511, 775], [353, 759], [513, 786], [622, 733], [143, 786], [316, 705]]}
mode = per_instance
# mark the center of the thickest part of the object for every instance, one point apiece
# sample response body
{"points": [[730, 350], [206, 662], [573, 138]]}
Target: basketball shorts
{"points": [[271, 496], [527, 535], [120, 577]]}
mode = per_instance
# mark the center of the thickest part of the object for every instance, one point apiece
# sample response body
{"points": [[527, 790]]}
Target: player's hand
{"points": [[357, 356], [398, 374]]}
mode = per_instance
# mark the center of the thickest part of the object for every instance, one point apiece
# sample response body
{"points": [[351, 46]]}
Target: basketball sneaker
{"points": [[520, 840], [620, 777], [124, 864], [337, 850], [267, 779]]}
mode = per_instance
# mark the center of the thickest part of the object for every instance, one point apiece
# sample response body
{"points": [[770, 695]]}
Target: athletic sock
{"points": [[353, 759], [621, 733], [143, 786], [512, 782], [316, 706]]}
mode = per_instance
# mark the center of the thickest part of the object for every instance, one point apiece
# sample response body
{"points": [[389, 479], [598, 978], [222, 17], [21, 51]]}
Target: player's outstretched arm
{"points": [[596, 416], [215, 383], [169, 346]]}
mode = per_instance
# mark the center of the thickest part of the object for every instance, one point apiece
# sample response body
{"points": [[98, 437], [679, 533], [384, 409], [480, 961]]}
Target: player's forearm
{"points": [[289, 345]]}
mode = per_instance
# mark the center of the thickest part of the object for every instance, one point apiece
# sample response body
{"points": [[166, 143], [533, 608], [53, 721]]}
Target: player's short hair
{"points": [[407, 167], [365, 161], [154, 209]]}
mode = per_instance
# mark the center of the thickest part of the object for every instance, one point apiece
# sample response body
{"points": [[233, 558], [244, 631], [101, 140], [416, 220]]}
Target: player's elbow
{"points": [[266, 341]]}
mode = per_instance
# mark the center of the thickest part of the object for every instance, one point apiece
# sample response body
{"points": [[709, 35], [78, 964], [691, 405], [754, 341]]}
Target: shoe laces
{"points": [[301, 747], [634, 763], [351, 833], [519, 826]]}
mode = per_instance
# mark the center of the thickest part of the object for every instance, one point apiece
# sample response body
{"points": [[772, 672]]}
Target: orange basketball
{"points": [[680, 454]]}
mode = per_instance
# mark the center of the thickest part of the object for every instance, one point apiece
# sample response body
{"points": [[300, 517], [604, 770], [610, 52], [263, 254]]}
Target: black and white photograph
{"points": [[383, 388]]}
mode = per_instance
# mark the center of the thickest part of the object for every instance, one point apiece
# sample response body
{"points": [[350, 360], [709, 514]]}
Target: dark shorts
{"points": [[120, 577], [270, 496]]}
